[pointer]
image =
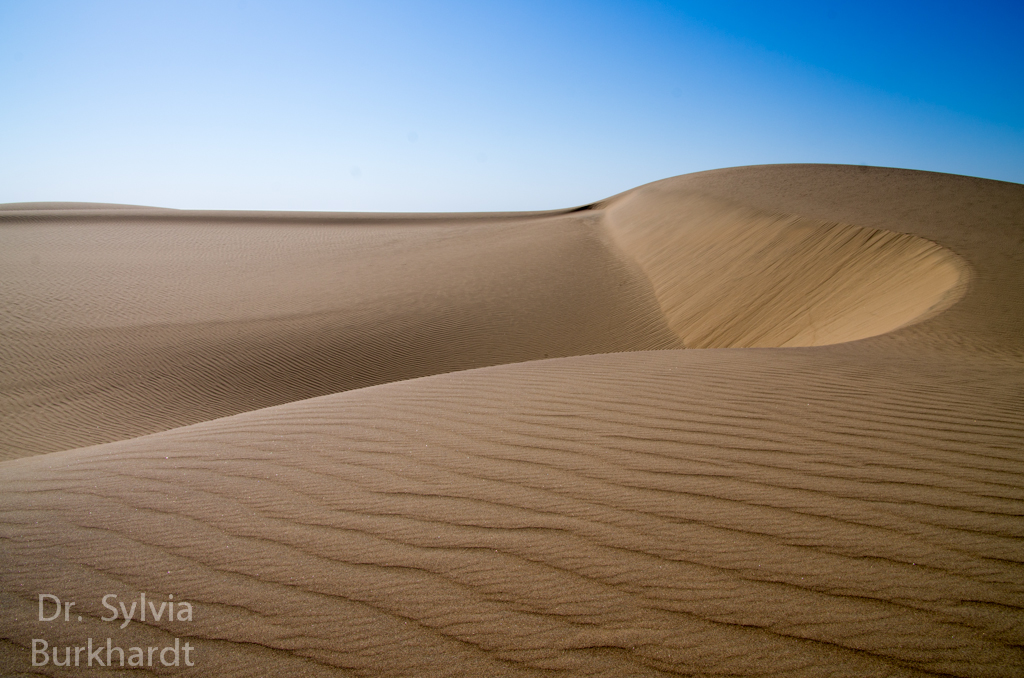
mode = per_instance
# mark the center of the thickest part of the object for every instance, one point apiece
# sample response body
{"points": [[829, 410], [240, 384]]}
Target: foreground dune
{"points": [[834, 486]]}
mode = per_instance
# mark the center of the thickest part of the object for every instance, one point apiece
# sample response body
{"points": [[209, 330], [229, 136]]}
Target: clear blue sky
{"points": [[452, 106]]}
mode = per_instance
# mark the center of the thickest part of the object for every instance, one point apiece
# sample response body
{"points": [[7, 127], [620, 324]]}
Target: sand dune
{"points": [[179, 323], [845, 499]]}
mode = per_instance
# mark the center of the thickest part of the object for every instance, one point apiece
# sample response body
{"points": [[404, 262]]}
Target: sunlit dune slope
{"points": [[727, 275], [848, 509], [771, 511]]}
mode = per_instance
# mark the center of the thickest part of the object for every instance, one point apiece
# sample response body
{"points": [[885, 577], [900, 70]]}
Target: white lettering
{"points": [[110, 650], [109, 606], [55, 600], [67, 657], [176, 650], [36, 651], [157, 614], [95, 654], [128, 614]]}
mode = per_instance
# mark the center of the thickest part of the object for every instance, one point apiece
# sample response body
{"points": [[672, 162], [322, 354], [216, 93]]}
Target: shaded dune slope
{"points": [[179, 322], [851, 509]]}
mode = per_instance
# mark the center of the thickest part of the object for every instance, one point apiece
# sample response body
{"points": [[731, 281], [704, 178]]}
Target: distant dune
{"points": [[69, 206], [754, 421]]}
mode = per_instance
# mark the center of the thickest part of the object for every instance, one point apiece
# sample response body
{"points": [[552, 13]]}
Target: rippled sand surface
{"points": [[756, 421]]}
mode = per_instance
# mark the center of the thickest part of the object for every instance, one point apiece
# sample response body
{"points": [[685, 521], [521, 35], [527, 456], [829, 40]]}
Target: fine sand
{"points": [[484, 445]]}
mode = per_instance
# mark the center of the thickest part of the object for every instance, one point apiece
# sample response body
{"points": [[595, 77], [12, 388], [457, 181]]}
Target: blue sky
{"points": [[451, 106]]}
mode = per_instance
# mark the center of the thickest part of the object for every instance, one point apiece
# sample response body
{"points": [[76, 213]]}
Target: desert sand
{"points": [[754, 421]]}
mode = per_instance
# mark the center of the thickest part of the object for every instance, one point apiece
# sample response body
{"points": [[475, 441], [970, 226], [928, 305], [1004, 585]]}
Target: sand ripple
{"points": [[851, 509]]}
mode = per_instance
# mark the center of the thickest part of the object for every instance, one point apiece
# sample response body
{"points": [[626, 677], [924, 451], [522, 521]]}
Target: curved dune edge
{"points": [[852, 509], [730, 276]]}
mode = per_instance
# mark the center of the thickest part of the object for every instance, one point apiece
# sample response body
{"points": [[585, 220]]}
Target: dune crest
{"points": [[731, 276]]}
